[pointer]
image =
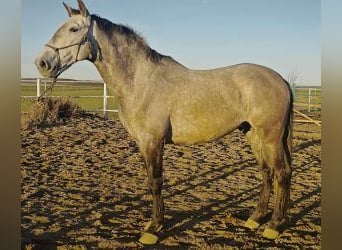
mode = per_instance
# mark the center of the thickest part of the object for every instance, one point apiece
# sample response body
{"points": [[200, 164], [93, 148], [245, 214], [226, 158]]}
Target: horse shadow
{"points": [[178, 221]]}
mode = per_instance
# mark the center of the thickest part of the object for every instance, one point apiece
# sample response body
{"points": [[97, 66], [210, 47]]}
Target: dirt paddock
{"points": [[84, 187]]}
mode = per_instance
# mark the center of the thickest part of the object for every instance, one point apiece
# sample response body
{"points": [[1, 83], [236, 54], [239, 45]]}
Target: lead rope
{"points": [[43, 95]]}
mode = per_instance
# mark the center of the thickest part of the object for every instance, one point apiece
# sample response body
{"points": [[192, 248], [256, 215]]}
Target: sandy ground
{"points": [[84, 187]]}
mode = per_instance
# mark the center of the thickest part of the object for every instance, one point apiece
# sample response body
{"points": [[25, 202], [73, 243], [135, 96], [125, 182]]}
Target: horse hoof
{"points": [[149, 224], [148, 239], [251, 224], [270, 234]]}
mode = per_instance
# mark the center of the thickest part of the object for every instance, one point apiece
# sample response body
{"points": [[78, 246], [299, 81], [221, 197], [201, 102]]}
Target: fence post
{"points": [[309, 109], [105, 100], [293, 87], [38, 87]]}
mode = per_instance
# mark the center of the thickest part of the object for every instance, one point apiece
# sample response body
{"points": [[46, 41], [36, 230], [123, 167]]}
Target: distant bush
{"points": [[50, 111]]}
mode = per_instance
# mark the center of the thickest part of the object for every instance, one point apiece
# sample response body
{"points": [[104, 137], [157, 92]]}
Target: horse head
{"points": [[72, 42]]}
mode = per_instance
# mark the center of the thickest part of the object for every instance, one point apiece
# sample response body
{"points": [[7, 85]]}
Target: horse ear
{"points": [[83, 8], [70, 10]]}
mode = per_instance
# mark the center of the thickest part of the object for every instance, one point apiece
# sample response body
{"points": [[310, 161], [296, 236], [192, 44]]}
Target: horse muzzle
{"points": [[47, 68]]}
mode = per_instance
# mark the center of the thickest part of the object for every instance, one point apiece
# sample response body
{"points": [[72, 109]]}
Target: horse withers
{"points": [[162, 101]]}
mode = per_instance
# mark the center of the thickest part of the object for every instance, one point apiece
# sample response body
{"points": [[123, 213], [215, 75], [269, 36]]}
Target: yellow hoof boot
{"points": [[270, 234], [149, 224], [148, 239], [251, 224]]}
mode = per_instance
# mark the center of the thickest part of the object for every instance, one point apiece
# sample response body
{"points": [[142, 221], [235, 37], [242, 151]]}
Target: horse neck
{"points": [[119, 64]]}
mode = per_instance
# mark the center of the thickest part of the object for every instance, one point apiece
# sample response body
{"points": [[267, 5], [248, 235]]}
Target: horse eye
{"points": [[73, 29]]}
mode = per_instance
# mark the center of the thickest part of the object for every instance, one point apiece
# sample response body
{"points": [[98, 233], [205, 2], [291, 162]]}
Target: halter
{"points": [[57, 49], [84, 39]]}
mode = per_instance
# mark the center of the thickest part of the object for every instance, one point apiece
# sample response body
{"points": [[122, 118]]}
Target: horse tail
{"points": [[287, 137]]}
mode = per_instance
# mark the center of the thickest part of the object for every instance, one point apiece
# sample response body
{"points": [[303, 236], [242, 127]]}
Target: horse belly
{"points": [[191, 129]]}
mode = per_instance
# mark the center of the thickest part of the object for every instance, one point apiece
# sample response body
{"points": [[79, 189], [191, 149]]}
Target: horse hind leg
{"points": [[253, 221], [276, 158]]}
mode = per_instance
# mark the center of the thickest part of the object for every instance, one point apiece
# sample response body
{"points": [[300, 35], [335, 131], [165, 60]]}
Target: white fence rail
{"points": [[39, 83], [310, 97], [307, 99]]}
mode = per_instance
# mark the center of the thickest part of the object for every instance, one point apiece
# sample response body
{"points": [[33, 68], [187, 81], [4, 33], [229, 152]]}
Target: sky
{"points": [[200, 34]]}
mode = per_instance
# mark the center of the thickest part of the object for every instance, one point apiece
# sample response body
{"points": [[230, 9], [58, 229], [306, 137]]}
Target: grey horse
{"points": [[162, 101]]}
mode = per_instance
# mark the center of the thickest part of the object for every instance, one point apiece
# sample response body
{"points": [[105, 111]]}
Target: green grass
{"points": [[302, 96], [70, 91]]}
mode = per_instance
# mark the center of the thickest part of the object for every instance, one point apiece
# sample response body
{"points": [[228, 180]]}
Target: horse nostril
{"points": [[43, 64]]}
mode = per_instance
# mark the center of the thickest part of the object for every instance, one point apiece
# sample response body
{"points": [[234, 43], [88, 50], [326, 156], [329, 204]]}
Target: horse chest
{"points": [[128, 122]]}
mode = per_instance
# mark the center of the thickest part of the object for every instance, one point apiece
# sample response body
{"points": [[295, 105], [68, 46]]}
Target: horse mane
{"points": [[110, 29]]}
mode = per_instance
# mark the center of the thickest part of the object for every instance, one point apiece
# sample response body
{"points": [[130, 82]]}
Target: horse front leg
{"points": [[153, 156]]}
